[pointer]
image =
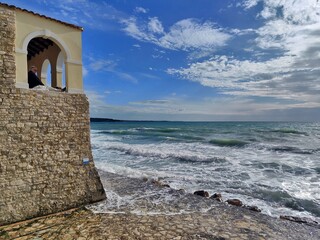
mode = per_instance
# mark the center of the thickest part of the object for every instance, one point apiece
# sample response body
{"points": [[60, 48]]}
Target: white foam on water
{"points": [[243, 168], [302, 190], [188, 151]]}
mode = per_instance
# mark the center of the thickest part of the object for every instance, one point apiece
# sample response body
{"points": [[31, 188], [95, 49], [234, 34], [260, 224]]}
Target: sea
{"points": [[272, 165]]}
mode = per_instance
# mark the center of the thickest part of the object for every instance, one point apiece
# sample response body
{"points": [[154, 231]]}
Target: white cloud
{"points": [[155, 26], [291, 11], [151, 102], [108, 92], [249, 3], [290, 78], [126, 76], [108, 65], [140, 10], [136, 110], [180, 108], [93, 14], [133, 30], [289, 25], [102, 65], [276, 78], [187, 35]]}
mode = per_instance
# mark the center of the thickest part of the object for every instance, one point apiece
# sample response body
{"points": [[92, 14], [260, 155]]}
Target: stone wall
{"points": [[46, 164], [7, 37]]}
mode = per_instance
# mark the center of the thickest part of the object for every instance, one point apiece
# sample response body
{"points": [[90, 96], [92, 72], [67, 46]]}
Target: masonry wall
{"points": [[44, 144]]}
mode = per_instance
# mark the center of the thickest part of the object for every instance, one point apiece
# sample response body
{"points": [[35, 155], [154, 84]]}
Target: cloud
{"points": [[132, 29], [151, 102], [187, 35], [280, 78], [102, 65], [93, 14], [276, 70], [291, 11], [190, 35], [108, 65], [155, 26], [100, 108], [126, 76], [287, 71], [290, 25], [140, 10], [180, 108], [108, 92]]}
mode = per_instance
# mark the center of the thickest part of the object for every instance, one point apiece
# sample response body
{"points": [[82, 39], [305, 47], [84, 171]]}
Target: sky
{"points": [[196, 60]]}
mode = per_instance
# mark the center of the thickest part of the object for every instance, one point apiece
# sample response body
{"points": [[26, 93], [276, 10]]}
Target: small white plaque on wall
{"points": [[85, 161]]}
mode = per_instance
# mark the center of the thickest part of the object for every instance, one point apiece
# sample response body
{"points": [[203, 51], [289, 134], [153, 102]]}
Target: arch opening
{"points": [[66, 67], [46, 56], [46, 73], [61, 73]]}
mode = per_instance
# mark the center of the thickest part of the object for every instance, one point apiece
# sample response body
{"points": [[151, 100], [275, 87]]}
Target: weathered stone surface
{"points": [[44, 137], [7, 63]]}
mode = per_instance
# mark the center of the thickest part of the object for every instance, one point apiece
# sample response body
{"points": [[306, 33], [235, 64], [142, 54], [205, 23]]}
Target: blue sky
{"points": [[198, 60]]}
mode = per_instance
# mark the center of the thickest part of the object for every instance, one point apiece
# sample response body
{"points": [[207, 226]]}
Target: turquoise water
{"points": [[275, 166]]}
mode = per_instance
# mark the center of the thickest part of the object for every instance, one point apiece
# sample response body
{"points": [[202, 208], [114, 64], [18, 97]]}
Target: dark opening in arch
{"points": [[38, 45]]}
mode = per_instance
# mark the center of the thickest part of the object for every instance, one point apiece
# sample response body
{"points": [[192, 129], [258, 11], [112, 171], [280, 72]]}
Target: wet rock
{"points": [[252, 208], [182, 190], [160, 184], [235, 202], [217, 197], [145, 179], [303, 220], [201, 193]]}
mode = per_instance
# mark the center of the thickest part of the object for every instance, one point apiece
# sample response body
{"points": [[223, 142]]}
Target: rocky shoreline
{"points": [[181, 217], [238, 203]]}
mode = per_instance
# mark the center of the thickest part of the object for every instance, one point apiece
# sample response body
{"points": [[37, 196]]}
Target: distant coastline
{"points": [[117, 120], [93, 119], [105, 120]]}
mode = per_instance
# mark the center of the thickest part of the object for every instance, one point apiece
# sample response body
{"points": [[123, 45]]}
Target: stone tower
{"points": [[46, 163]]}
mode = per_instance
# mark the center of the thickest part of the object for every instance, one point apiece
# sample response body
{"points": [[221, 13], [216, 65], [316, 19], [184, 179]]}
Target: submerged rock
{"points": [[160, 184], [201, 193], [303, 220], [252, 208], [181, 190], [217, 197], [235, 202]]}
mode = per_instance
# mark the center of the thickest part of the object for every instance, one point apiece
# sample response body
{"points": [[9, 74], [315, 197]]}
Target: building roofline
{"points": [[40, 15]]}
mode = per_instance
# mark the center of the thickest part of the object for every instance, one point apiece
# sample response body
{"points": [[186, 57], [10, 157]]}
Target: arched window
{"points": [[46, 73], [61, 73], [66, 68], [44, 53]]}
